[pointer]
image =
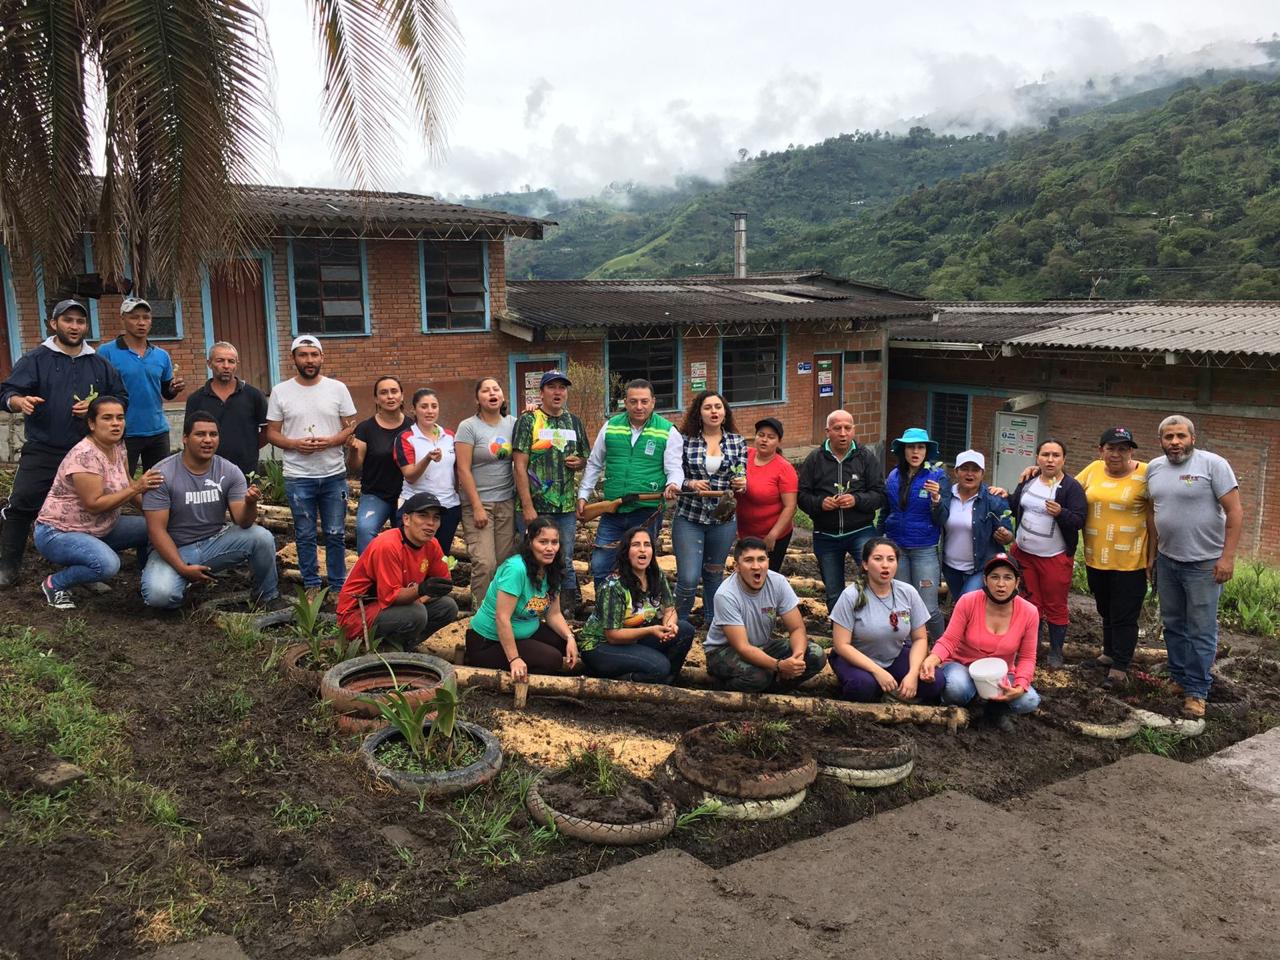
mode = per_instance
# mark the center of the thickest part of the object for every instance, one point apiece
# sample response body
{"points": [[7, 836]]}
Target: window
{"points": [[328, 286], [751, 368], [949, 423], [164, 318], [453, 286], [648, 353]]}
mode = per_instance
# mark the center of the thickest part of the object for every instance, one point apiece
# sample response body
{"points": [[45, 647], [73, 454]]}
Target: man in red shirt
{"points": [[400, 585]]}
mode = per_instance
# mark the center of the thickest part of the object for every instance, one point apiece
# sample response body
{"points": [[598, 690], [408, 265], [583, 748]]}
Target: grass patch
{"points": [[397, 755], [1251, 599], [323, 910], [802, 520], [483, 820], [296, 815], [239, 632], [1159, 742]]}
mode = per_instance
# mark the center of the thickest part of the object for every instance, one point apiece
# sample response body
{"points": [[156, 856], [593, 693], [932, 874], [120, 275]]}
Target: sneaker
{"points": [[58, 599], [1193, 707]]}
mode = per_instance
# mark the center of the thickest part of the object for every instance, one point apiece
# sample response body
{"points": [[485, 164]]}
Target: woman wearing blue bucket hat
{"points": [[907, 518]]}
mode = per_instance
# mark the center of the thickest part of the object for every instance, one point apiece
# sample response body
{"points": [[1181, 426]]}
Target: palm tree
{"points": [[181, 92]]}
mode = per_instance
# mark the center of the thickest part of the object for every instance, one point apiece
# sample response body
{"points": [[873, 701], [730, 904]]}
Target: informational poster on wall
{"points": [[804, 367], [532, 388], [826, 389], [1016, 436], [698, 384], [698, 371]]}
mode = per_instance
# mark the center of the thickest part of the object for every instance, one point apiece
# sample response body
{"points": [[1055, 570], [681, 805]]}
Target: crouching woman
{"points": [[633, 633], [519, 626], [879, 633], [993, 622]]}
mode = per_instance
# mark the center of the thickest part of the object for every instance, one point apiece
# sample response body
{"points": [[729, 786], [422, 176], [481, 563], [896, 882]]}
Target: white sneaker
{"points": [[58, 599]]}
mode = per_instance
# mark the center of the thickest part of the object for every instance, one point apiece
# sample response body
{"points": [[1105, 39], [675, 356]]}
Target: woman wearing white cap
{"points": [[975, 524]]}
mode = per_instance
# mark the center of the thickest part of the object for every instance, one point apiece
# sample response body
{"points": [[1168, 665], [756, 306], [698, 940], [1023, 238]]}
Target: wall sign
{"points": [[698, 371], [698, 384], [803, 367], [826, 389]]}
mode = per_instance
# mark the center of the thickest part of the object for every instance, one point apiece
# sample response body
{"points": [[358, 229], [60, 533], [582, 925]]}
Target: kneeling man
{"points": [[399, 588], [191, 539], [742, 652]]}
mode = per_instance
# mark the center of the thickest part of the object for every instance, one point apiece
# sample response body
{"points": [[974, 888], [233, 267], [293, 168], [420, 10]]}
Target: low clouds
{"points": [[535, 101]]}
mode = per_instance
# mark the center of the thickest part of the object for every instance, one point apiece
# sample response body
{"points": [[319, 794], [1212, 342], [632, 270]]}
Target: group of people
{"points": [[518, 486]]}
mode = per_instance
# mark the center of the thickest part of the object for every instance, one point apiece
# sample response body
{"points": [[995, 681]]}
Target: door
{"points": [[240, 317], [526, 389], [828, 390], [6, 358], [1016, 435]]}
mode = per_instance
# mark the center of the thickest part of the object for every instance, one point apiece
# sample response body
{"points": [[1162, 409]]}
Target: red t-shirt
{"points": [[388, 565], [761, 503]]}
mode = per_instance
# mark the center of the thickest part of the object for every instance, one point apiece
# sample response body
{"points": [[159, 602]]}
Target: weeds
{"points": [[595, 766], [483, 821], [1250, 599], [291, 814], [707, 808], [239, 632], [1159, 742], [172, 922], [765, 739], [323, 910], [75, 628], [162, 809]]}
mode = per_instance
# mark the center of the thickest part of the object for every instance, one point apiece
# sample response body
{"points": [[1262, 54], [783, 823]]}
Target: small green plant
{"points": [[707, 808], [765, 739], [437, 748], [483, 821], [1159, 742], [270, 482], [294, 815], [75, 628], [239, 632], [405, 854], [596, 767]]}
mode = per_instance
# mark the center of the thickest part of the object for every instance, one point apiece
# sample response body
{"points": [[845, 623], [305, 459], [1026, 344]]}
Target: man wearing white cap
{"points": [[147, 371], [310, 417], [975, 525]]}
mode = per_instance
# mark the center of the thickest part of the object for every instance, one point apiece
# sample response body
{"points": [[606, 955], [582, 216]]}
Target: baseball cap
{"points": [[306, 340], [974, 457], [551, 376], [421, 503], [773, 423], [130, 304], [1117, 435], [64, 305], [1002, 560]]}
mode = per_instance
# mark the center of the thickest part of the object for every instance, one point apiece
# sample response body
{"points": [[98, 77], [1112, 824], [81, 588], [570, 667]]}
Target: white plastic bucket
{"points": [[987, 674]]}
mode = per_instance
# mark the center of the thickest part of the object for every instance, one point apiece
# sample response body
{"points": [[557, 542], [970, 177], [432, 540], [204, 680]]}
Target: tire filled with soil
{"points": [[480, 760], [851, 744], [1226, 700], [376, 675], [709, 757], [1090, 712], [635, 812], [297, 666]]}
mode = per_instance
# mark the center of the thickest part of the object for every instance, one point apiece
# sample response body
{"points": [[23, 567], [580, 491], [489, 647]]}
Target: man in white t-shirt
{"points": [[310, 417]]}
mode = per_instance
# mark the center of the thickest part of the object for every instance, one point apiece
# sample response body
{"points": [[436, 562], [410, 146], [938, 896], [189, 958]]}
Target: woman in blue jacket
{"points": [[907, 517], [974, 523]]}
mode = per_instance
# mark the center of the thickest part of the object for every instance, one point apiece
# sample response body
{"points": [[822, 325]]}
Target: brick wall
{"points": [[1234, 412]]}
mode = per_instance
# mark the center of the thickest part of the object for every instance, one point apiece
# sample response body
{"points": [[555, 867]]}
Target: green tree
{"points": [[186, 113]]}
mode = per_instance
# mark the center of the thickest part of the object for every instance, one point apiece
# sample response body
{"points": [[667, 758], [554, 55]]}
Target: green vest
{"points": [[638, 468]]}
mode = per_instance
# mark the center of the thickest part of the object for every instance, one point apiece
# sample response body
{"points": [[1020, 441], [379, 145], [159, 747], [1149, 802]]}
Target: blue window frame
{"points": [[12, 318], [753, 368], [329, 287], [453, 286], [648, 353]]}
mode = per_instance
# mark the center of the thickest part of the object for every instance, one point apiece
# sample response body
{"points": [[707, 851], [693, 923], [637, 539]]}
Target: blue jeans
{"points": [[610, 530], [89, 559], [701, 550], [1189, 609], [831, 552], [919, 567], [959, 583], [960, 689], [371, 514], [648, 660], [324, 498], [164, 587]]}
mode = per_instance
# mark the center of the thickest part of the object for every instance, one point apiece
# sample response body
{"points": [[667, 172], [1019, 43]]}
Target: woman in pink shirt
{"points": [[993, 622]]}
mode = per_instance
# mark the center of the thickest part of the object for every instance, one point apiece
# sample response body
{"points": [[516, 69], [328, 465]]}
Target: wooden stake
{"points": [[590, 688], [521, 695]]}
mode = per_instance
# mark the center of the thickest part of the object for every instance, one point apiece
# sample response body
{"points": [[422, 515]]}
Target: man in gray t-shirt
{"points": [[742, 652], [1197, 528], [187, 523]]}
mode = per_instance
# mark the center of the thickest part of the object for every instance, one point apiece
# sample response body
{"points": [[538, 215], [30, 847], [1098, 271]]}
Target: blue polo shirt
{"points": [[143, 377]]}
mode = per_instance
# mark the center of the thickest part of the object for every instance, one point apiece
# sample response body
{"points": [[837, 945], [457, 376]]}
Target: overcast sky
{"points": [[573, 94]]}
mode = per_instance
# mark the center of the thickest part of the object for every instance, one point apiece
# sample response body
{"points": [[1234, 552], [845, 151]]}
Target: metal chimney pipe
{"points": [[739, 245]]}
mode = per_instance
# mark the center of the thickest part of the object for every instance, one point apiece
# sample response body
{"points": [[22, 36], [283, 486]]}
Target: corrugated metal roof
{"points": [[542, 304], [324, 208], [1187, 326]]}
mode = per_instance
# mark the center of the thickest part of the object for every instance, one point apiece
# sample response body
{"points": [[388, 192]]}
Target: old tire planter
{"points": [[219, 605], [1232, 709], [594, 831], [869, 779], [419, 673], [1184, 726], [358, 726], [295, 672], [443, 784], [732, 808], [868, 758], [762, 786]]}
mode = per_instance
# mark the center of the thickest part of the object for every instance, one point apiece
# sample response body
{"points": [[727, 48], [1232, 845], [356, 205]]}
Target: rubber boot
{"points": [[11, 550], [1057, 637]]}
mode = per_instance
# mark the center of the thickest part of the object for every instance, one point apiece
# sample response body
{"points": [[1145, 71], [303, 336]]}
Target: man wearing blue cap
{"points": [[51, 386]]}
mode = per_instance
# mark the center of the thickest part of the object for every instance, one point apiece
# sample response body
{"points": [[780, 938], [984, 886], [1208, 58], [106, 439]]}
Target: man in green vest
{"points": [[638, 452]]}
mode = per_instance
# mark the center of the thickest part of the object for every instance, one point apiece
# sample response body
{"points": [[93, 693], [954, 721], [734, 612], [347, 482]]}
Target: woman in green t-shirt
{"points": [[633, 633], [519, 625]]}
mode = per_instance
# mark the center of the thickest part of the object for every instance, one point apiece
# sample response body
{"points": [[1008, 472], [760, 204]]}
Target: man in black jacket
{"points": [[841, 488], [51, 387]]}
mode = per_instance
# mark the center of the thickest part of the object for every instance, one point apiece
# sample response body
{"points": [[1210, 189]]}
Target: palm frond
{"points": [[429, 44], [187, 118]]}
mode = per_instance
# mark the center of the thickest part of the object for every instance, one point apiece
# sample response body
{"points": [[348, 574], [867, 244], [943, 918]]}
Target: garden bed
{"points": [[242, 811]]}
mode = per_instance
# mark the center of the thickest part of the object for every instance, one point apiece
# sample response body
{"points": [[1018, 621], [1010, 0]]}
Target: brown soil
{"points": [[635, 801], [1078, 703], [1147, 692], [720, 759], [234, 745], [827, 733]]}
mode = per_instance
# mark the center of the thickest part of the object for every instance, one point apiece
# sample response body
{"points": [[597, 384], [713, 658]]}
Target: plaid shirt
{"points": [[733, 449]]}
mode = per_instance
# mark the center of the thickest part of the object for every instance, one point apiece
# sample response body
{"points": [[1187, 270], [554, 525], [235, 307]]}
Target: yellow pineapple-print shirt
{"points": [[1115, 527]]}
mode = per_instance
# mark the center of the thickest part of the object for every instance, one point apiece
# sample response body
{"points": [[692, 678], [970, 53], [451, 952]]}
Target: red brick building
{"points": [[402, 284], [998, 377]]}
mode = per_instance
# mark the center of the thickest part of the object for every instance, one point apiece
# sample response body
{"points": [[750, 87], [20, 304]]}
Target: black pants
{"points": [[543, 652], [405, 625], [150, 450], [1118, 595], [37, 466], [779, 553]]}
